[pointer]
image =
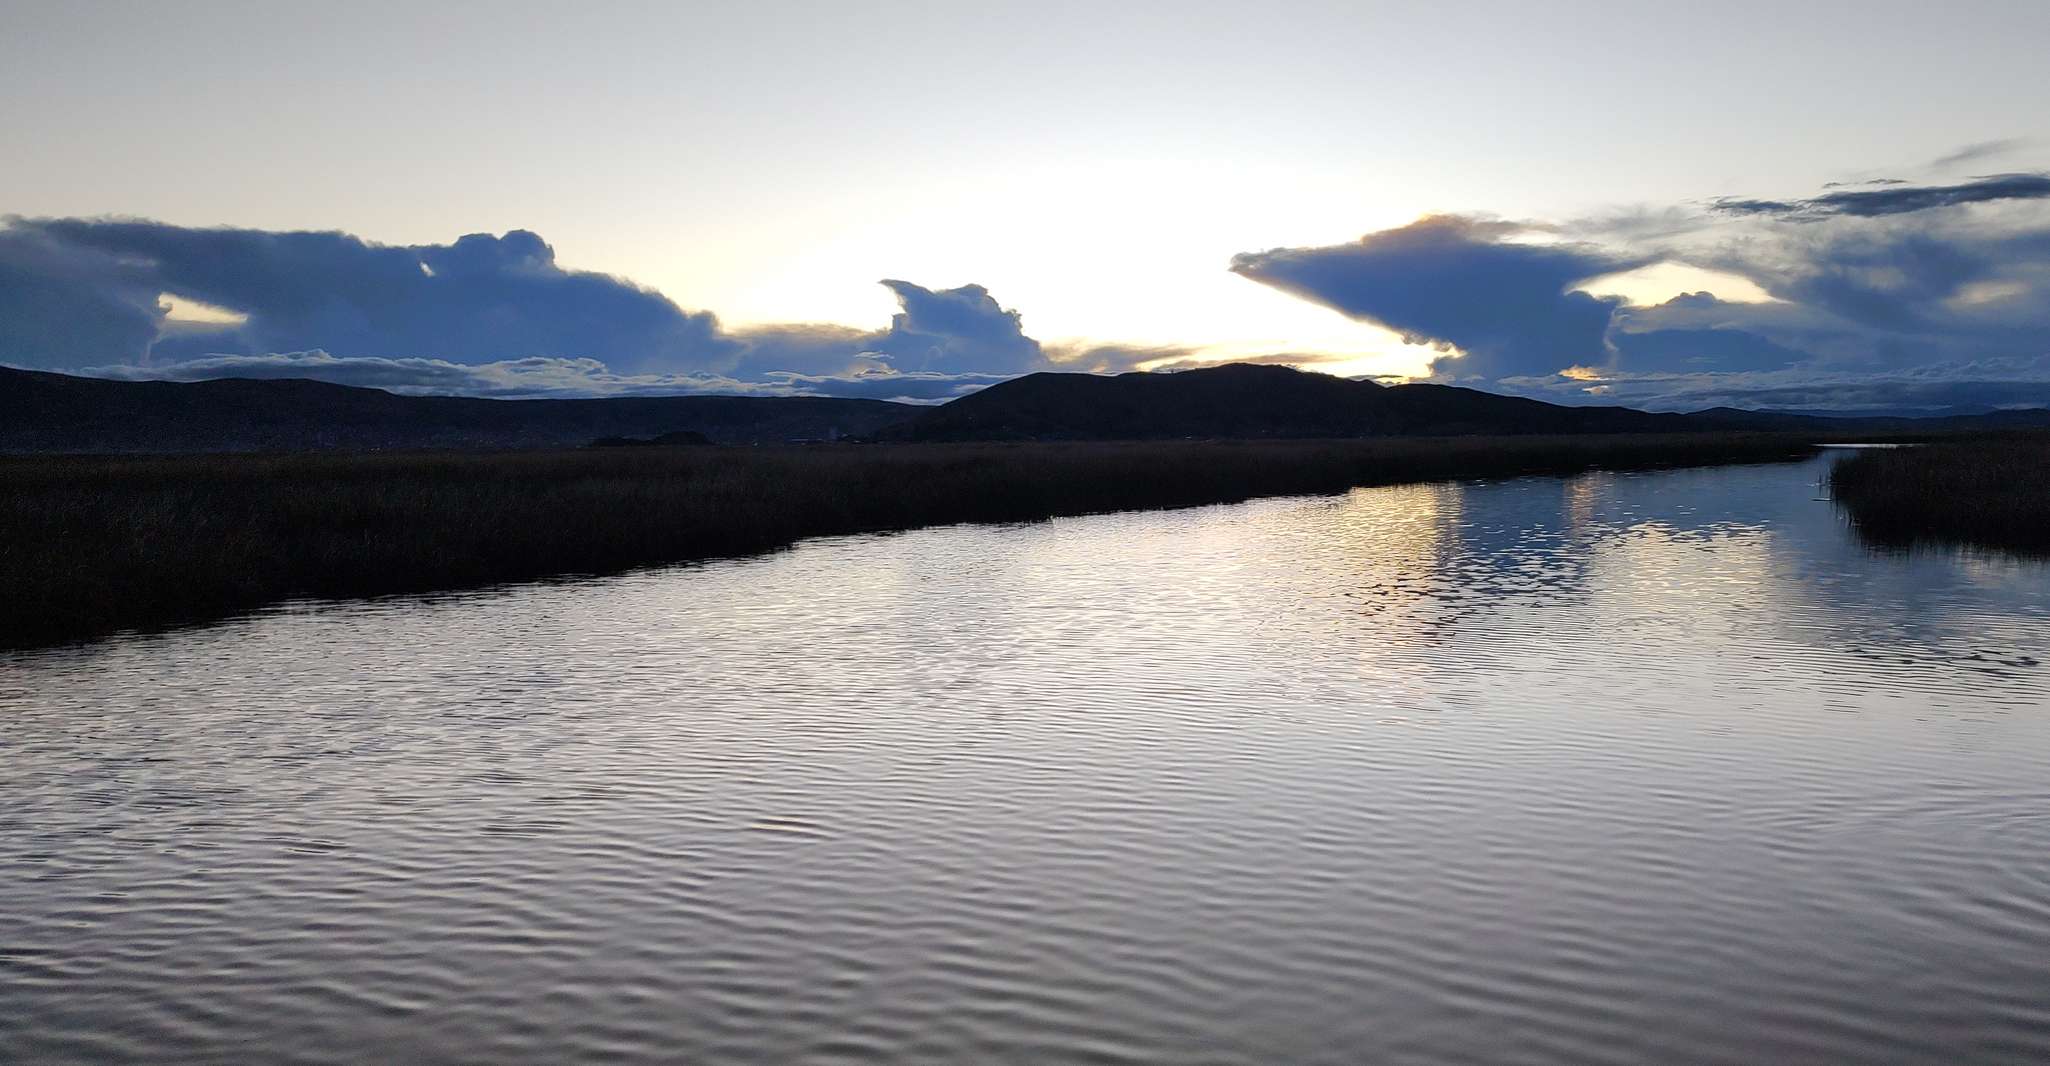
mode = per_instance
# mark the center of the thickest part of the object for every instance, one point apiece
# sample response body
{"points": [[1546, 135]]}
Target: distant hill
{"points": [[1245, 400], [43, 412]]}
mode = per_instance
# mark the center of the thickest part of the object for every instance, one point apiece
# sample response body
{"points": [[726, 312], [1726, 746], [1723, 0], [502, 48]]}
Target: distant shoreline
{"points": [[90, 547]]}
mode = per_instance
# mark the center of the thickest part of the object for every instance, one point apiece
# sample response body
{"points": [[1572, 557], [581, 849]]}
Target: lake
{"points": [[1620, 768]]}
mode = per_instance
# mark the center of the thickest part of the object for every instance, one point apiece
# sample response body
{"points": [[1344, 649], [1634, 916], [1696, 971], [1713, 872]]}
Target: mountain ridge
{"points": [[1254, 401], [46, 412], [41, 411]]}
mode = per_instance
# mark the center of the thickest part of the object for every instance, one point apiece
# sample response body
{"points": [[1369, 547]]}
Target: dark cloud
{"points": [[491, 315], [941, 332], [63, 305], [1892, 280], [1868, 283], [1451, 281], [480, 298], [1701, 349], [955, 330], [1913, 285], [1887, 198]]}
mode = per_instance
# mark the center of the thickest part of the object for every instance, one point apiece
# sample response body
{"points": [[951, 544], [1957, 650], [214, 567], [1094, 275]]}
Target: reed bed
{"points": [[91, 546], [1991, 492]]}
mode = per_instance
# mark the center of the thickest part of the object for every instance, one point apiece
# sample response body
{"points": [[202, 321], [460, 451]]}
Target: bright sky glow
{"points": [[185, 311], [1660, 282]]}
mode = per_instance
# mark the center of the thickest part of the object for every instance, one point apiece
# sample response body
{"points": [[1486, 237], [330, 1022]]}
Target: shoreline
{"points": [[92, 547]]}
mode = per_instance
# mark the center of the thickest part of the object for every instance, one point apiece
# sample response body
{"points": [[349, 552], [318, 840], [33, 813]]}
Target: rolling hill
{"points": [[45, 412], [1245, 400]]}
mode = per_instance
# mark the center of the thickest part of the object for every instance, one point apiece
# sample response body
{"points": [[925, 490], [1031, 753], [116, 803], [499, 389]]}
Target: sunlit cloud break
{"points": [[1912, 290]]}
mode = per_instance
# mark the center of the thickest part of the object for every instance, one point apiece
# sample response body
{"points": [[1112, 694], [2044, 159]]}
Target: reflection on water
{"points": [[1623, 768]]}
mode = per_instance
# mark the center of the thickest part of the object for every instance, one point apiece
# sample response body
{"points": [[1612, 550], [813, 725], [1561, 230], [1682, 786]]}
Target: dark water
{"points": [[1656, 768]]}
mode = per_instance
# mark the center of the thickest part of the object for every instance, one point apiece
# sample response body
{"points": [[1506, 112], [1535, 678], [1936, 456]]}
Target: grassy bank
{"points": [[1991, 492], [92, 546]]}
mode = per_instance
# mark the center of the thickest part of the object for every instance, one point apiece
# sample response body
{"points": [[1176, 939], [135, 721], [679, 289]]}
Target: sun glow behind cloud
{"points": [[1655, 284], [1094, 252], [185, 311]]}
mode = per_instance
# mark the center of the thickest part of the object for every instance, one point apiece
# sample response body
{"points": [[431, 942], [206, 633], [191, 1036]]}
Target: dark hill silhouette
{"points": [[1245, 400], [44, 412], [678, 438], [1240, 400]]}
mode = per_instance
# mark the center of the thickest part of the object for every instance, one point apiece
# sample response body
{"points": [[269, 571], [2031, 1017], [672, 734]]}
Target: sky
{"points": [[911, 200]]}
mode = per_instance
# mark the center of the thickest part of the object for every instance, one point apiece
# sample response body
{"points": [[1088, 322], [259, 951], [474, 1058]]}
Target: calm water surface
{"points": [[1629, 769]]}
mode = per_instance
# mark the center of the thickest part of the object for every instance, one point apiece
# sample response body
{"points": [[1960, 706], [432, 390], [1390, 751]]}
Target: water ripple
{"points": [[1612, 769]]}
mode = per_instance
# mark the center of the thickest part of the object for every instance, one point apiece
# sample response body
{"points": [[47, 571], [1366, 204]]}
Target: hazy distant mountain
{"points": [[41, 412], [1853, 421], [1244, 400]]}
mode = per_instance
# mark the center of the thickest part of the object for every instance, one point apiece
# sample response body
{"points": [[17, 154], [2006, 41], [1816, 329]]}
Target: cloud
{"points": [[543, 378], [536, 376], [477, 299], [1967, 387], [1116, 358], [1295, 359], [1888, 281], [952, 330], [485, 314], [1454, 281], [1701, 349], [812, 349], [1894, 198], [1972, 153], [917, 386], [62, 305], [1963, 282]]}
